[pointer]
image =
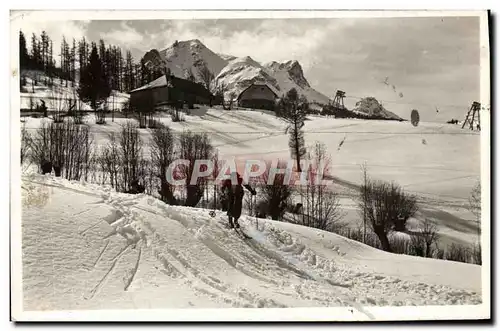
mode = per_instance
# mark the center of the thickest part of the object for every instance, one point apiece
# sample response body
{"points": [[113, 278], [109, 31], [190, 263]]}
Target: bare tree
{"points": [[321, 206], [31, 101], [384, 204], [26, 142], [277, 195], [76, 106], [67, 146], [217, 166], [475, 201], [59, 105], [407, 206], [192, 147], [422, 242], [364, 198], [373, 200], [162, 154], [130, 144], [110, 164], [220, 89]]}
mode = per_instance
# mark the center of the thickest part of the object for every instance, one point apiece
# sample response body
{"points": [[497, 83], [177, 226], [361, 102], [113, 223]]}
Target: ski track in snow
{"points": [[273, 269]]}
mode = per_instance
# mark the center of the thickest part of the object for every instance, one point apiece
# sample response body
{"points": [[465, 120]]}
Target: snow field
{"points": [[438, 172], [88, 247]]}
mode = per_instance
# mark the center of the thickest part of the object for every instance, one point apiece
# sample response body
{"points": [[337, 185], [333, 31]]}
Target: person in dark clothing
{"points": [[46, 167], [235, 195]]}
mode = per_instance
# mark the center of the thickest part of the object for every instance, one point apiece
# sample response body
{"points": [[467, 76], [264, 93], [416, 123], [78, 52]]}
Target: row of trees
{"points": [[120, 69]]}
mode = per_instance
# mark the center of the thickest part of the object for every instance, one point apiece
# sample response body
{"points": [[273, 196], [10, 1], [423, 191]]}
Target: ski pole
{"points": [[256, 221]]}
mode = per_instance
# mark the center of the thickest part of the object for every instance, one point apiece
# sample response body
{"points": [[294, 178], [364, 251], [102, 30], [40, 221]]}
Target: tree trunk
{"points": [[194, 195], [427, 249], [167, 194], [297, 147], [400, 225], [382, 236]]}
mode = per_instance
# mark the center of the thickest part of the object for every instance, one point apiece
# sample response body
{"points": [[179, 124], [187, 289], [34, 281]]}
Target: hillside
{"points": [[85, 247], [56, 96]]}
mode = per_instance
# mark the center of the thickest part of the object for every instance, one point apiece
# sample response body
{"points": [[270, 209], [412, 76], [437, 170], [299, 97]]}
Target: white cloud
{"points": [[54, 29], [126, 36], [271, 41]]}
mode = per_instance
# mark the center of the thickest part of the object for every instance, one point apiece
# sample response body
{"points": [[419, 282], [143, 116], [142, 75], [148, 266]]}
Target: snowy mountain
{"points": [[226, 57], [185, 57], [243, 72]]}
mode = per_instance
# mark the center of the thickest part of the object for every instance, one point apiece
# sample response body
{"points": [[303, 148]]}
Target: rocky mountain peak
{"points": [[296, 73]]}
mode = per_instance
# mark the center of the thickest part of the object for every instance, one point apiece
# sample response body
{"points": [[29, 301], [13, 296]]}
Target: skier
{"points": [[235, 198]]}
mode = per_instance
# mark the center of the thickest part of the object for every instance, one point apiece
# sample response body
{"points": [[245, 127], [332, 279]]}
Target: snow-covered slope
{"points": [[424, 160], [86, 247], [226, 57], [56, 96]]}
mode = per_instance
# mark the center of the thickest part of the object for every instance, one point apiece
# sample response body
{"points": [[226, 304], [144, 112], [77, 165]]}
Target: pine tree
{"points": [[82, 55], [136, 76], [43, 49], [94, 88], [129, 72], [145, 73], [294, 109], [62, 56], [72, 66], [24, 58], [35, 52], [102, 50], [108, 60], [119, 68], [52, 64]]}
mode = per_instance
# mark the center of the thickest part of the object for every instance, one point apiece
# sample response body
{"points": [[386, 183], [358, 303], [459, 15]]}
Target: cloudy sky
{"points": [[407, 63]]}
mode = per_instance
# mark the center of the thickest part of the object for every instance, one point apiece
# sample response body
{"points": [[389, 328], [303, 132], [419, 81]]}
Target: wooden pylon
{"points": [[474, 109], [338, 101]]}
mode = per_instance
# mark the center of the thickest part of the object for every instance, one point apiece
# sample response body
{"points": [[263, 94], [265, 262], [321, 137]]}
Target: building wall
{"points": [[257, 92], [149, 98], [257, 96], [257, 104]]}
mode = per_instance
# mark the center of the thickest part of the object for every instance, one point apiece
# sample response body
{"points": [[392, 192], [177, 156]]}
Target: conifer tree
{"points": [[94, 87], [24, 58], [294, 109]]}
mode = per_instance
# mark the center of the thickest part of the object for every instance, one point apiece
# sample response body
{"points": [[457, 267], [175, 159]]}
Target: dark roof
{"points": [[159, 82], [176, 83], [189, 86], [258, 84]]}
